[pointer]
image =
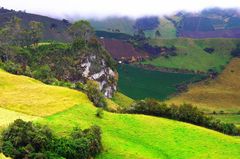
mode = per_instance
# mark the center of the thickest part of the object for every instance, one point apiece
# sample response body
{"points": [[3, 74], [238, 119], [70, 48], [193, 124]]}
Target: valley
{"points": [[92, 86]]}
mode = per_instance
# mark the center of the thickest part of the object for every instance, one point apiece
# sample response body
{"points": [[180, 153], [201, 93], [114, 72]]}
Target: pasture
{"points": [[190, 54], [220, 94]]}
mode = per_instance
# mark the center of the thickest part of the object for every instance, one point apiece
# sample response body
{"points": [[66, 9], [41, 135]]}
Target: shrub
{"points": [[209, 50], [11, 67], [95, 95], [184, 112], [44, 74], [236, 52], [25, 140], [99, 113]]}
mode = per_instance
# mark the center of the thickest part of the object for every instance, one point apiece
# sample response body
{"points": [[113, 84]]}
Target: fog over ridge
{"points": [[77, 9]]}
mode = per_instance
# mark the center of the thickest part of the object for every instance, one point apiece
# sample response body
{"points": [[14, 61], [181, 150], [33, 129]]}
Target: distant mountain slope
{"points": [[220, 94], [191, 54], [210, 23], [53, 28], [114, 24]]}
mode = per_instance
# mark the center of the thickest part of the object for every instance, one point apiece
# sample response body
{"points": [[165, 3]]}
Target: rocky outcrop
{"points": [[94, 68]]}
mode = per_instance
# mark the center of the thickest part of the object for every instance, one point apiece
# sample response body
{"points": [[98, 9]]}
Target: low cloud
{"points": [[74, 9]]}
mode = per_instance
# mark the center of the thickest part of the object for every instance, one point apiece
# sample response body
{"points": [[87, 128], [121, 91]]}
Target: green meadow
{"points": [[124, 135], [191, 54]]}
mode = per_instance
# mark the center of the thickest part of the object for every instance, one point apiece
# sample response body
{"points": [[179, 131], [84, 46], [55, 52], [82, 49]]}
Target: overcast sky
{"points": [[103, 8]]}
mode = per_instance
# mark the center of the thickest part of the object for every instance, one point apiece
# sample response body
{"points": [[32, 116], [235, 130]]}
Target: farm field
{"points": [[220, 94], [191, 54], [122, 50], [139, 83]]}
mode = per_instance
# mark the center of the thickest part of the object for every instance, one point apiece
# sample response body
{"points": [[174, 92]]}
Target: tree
{"points": [[95, 95], [35, 32], [11, 32], [157, 33], [81, 29], [139, 35]]}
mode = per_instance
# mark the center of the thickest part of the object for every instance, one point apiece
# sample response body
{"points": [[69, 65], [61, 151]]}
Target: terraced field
{"points": [[191, 54], [220, 94], [124, 135]]}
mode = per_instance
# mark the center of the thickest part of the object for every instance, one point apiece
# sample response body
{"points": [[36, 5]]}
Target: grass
{"points": [[124, 135], [139, 83], [145, 137], [3, 157], [122, 100], [220, 94], [29, 96], [166, 29], [8, 116], [191, 56], [229, 118]]}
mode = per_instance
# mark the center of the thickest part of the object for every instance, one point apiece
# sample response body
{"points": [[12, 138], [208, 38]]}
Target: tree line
{"points": [[184, 112]]}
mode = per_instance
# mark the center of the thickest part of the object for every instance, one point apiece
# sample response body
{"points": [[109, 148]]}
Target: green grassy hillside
{"points": [[220, 94], [166, 29], [32, 97], [124, 135], [191, 54], [123, 24]]}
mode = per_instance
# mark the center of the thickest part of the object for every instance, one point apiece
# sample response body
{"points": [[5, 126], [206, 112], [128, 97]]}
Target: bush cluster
{"points": [[236, 52], [26, 140], [184, 112], [95, 95]]}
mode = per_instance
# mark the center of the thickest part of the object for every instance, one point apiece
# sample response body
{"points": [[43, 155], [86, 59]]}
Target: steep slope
{"points": [[190, 54], [53, 28], [222, 93], [124, 135]]}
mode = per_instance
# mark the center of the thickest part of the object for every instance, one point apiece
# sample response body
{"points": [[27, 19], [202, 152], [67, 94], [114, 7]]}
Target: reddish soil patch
{"points": [[121, 50]]}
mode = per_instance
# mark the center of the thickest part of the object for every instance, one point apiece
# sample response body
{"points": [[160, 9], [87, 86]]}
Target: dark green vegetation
{"points": [[52, 62], [184, 112], [26, 140], [236, 52], [95, 95], [139, 83]]}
